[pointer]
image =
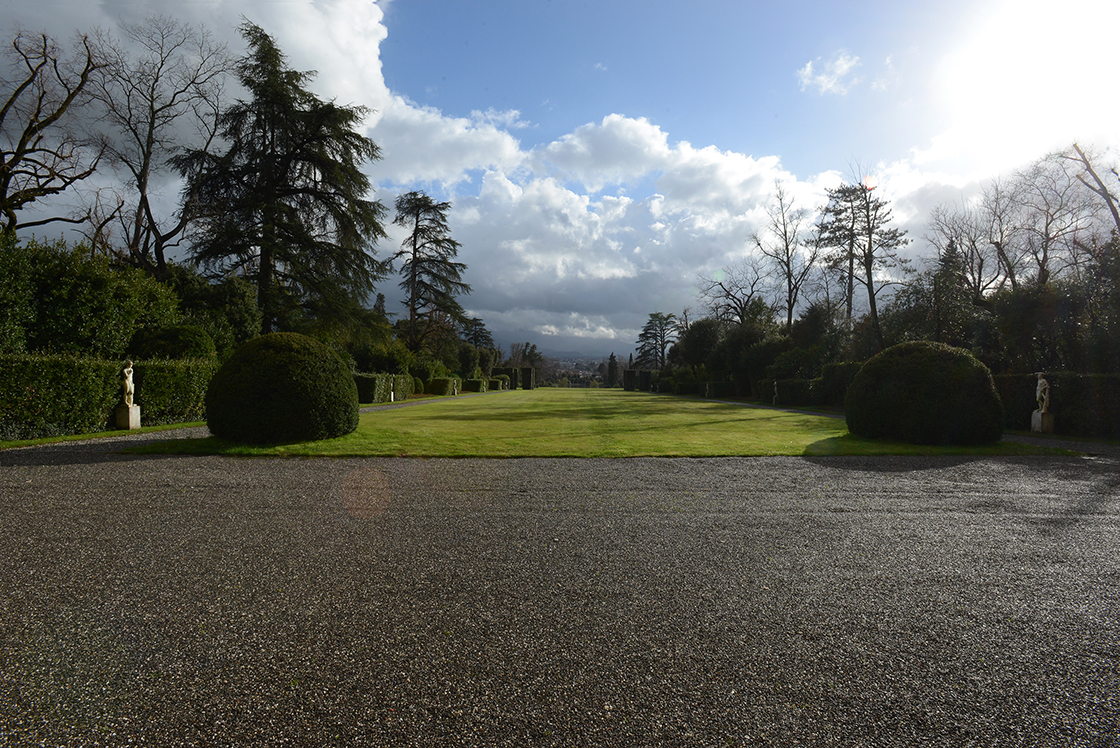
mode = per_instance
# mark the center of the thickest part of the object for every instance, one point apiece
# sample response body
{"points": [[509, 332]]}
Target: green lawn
{"points": [[585, 423]]}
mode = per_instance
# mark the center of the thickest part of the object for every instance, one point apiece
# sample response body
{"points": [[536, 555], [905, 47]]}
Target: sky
{"points": [[600, 157]]}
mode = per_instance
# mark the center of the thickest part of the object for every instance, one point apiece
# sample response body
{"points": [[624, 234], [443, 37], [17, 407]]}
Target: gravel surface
{"points": [[210, 601]]}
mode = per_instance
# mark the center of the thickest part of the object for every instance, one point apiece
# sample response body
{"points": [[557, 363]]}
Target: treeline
{"points": [[1026, 277], [275, 223]]}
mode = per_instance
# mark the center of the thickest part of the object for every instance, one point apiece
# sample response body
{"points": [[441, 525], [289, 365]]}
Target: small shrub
{"points": [[925, 393], [282, 387]]}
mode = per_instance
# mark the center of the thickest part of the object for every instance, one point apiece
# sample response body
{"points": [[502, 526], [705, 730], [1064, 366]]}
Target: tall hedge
{"points": [[376, 388], [172, 391], [56, 395], [1082, 404]]}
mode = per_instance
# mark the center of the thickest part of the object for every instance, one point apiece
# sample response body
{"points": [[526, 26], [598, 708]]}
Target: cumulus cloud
{"points": [[834, 76]]}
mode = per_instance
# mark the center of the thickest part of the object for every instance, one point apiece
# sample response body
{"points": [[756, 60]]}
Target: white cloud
{"points": [[833, 77]]}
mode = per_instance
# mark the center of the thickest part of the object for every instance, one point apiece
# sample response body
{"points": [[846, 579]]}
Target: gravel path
{"points": [[193, 601]]}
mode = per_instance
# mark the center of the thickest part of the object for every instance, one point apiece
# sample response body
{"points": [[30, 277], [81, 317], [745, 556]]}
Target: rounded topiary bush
{"points": [[925, 393], [282, 387]]}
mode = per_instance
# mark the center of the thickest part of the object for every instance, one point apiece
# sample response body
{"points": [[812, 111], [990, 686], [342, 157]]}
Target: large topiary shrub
{"points": [[282, 387], [925, 393]]}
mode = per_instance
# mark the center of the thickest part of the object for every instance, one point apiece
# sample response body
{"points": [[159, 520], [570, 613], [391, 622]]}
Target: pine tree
{"points": [[287, 205], [431, 277]]}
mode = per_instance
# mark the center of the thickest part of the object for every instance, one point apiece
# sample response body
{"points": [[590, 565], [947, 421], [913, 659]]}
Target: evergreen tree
{"points": [[654, 340], [865, 250], [287, 204], [431, 277], [612, 371]]}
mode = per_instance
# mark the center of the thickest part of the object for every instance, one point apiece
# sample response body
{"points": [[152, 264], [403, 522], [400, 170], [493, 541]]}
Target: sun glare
{"points": [[1027, 77]]}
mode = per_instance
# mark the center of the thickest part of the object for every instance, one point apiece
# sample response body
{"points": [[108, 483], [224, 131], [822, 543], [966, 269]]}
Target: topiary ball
{"points": [[925, 393], [282, 387]]}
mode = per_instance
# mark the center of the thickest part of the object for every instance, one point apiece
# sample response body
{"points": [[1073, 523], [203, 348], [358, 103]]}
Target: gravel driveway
{"points": [[550, 602]]}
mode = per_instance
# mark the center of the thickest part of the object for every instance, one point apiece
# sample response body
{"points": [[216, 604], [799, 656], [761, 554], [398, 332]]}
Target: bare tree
{"points": [[964, 229], [1059, 216], [1000, 210], [735, 293], [42, 150], [1092, 180], [163, 99], [792, 254]]}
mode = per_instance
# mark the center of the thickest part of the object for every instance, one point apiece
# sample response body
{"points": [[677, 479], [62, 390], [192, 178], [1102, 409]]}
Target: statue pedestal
{"points": [[1042, 423], [128, 416]]}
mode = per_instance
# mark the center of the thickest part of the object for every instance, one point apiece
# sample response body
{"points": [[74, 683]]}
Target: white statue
{"points": [[1042, 394], [126, 382]]}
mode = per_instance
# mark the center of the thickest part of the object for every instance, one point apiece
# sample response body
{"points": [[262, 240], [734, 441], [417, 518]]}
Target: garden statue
{"points": [[1042, 394], [127, 412], [126, 382], [1042, 420]]}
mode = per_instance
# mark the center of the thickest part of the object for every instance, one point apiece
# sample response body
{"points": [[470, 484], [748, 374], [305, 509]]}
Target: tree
{"points": [[172, 89], [793, 256], [285, 205], [42, 151], [475, 333], [431, 277], [612, 371], [695, 345], [655, 339], [736, 293], [855, 225]]}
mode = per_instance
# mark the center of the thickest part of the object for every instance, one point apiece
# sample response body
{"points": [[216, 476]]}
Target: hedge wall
{"points": [[58, 395], [630, 380], [835, 381], [444, 386], [474, 385], [513, 373], [172, 391], [1082, 404], [375, 388]]}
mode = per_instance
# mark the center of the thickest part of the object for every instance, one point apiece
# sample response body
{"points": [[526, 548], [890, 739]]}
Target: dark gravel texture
{"points": [[189, 601]]}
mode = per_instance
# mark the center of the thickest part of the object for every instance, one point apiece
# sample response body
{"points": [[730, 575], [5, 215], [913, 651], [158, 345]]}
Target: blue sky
{"points": [[601, 156]]}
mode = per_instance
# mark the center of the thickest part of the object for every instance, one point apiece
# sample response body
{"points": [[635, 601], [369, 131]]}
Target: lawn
{"points": [[551, 422]]}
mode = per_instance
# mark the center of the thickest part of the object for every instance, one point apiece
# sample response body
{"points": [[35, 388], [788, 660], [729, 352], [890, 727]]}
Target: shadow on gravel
{"points": [[888, 463], [83, 453]]}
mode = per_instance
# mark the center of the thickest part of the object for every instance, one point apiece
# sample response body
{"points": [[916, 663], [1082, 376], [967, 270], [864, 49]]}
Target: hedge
{"points": [[56, 395], [718, 389], [376, 388], [630, 380], [1082, 404], [172, 391], [474, 385], [793, 392], [835, 381], [512, 373], [497, 384], [444, 386]]}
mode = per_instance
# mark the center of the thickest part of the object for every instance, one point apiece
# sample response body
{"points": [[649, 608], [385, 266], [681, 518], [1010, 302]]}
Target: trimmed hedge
{"points": [[630, 380], [1082, 404], [172, 391], [512, 374], [282, 387], [443, 386], [474, 385], [57, 395], [925, 393], [793, 392], [497, 384], [718, 389], [835, 381], [376, 388]]}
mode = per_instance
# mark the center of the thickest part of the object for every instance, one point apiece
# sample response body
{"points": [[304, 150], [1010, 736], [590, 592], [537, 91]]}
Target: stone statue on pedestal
{"points": [[1042, 420], [127, 412]]}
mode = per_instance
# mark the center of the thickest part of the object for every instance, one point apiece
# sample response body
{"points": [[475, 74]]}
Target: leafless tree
{"points": [[965, 228], [161, 91], [1092, 180], [792, 254], [735, 294], [1000, 211], [1059, 216], [43, 151]]}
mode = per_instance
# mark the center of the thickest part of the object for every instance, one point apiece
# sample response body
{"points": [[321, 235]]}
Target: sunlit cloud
{"points": [[831, 77]]}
